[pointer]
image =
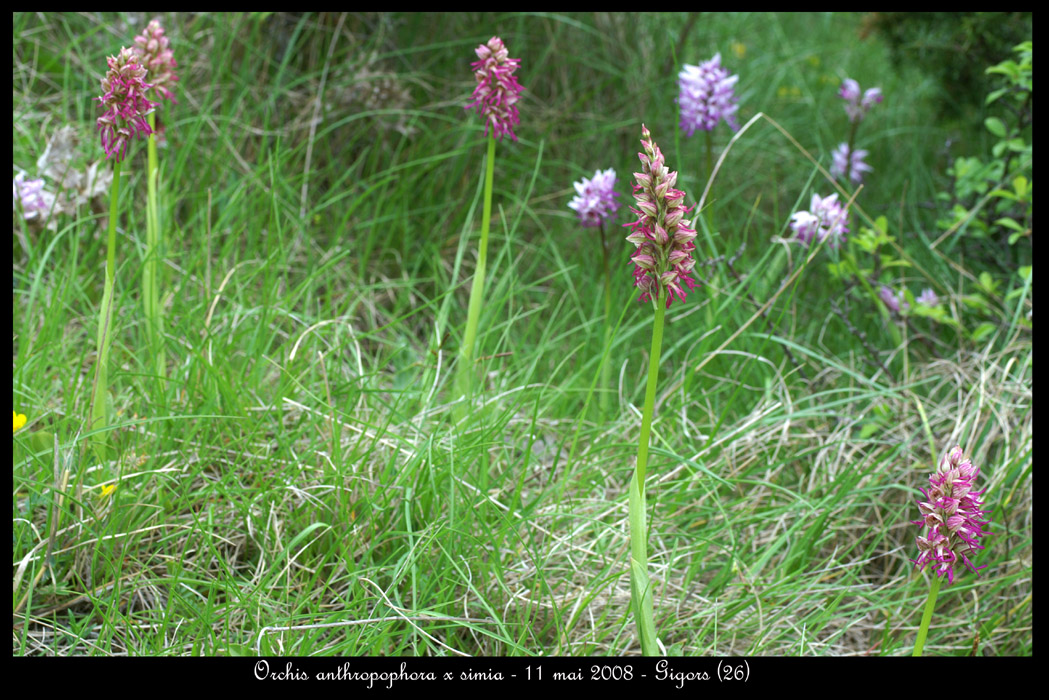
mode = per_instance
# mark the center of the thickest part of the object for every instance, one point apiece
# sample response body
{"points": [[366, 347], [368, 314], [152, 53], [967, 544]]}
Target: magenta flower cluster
{"points": [[663, 258], [497, 91], [953, 513], [595, 200], [707, 96], [154, 51], [124, 105], [850, 165], [855, 105], [826, 219]]}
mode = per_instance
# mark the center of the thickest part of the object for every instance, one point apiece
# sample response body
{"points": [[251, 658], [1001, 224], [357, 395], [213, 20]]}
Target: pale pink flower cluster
{"points": [[855, 106], [953, 513], [31, 197], [154, 51], [595, 200], [928, 298], [663, 258], [895, 301], [64, 185], [849, 165], [497, 90], [124, 105], [707, 96], [892, 300], [825, 219]]}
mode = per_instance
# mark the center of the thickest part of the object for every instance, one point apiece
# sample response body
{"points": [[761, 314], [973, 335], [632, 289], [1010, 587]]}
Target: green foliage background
{"points": [[300, 467]]}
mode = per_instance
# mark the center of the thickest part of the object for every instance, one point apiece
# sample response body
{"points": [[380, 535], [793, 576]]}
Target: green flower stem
{"points": [[710, 153], [464, 374], [151, 270], [848, 152], [710, 173], [606, 368], [650, 390], [105, 330], [640, 587], [930, 605]]}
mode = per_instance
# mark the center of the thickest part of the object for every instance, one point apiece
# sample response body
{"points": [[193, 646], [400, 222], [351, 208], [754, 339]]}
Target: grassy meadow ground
{"points": [[301, 477]]}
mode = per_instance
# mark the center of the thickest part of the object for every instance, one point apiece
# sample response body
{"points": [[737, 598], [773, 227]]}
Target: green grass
{"points": [[301, 479]]}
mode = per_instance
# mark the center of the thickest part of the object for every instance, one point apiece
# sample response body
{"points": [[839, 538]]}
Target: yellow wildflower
{"points": [[106, 490], [20, 420]]}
